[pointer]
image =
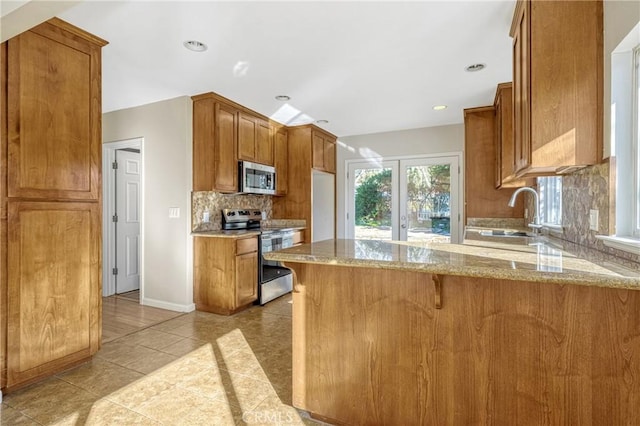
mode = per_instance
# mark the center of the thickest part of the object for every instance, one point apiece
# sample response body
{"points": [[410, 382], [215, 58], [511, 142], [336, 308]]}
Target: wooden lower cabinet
{"points": [[225, 273], [246, 284], [371, 347], [53, 287]]}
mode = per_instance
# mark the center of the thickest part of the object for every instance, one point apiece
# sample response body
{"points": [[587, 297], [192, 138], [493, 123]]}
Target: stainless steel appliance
{"points": [[254, 178], [274, 280], [241, 219]]}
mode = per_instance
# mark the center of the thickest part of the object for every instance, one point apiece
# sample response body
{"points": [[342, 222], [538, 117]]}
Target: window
{"points": [[625, 141], [550, 190]]}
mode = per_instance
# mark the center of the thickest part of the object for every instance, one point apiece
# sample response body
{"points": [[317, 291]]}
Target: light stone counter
{"points": [[241, 233], [227, 234], [537, 259]]}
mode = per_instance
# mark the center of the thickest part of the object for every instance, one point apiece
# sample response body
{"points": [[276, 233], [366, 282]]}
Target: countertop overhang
{"points": [[240, 233], [539, 259]]}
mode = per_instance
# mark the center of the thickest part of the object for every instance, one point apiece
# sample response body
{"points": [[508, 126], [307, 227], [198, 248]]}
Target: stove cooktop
{"points": [[241, 218]]}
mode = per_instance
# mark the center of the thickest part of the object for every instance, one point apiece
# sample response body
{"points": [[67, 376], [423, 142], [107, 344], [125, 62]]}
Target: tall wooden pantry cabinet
{"points": [[50, 201]]}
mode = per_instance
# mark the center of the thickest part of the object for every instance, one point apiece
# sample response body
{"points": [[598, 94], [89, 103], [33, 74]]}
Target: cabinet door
{"points": [[246, 278], [521, 91], [225, 157], [264, 143], [246, 138], [280, 161], [317, 142], [498, 141], [54, 134], [54, 300], [329, 156]]}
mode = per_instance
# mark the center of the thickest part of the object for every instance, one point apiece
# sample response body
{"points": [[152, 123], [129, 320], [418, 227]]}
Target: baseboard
{"points": [[168, 305]]}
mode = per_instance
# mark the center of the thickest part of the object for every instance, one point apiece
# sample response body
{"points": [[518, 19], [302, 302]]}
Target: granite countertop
{"points": [[539, 259], [240, 233]]}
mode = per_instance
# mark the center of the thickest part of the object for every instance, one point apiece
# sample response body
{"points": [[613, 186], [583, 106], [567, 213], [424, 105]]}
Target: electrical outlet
{"points": [[593, 220], [174, 212], [526, 213], [206, 216]]}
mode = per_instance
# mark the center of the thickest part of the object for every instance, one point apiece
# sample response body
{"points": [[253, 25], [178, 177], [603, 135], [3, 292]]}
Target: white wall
{"points": [[166, 160], [423, 141], [620, 17]]}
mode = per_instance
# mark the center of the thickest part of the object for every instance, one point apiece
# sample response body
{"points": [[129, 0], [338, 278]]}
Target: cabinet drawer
{"points": [[246, 245]]}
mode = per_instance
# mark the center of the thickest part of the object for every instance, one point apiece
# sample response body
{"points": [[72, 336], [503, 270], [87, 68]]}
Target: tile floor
{"points": [[196, 369]]}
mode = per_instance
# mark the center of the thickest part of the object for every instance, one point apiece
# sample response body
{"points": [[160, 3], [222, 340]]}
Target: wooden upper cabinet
{"points": [[264, 143], [505, 156], [254, 140], [215, 136], [54, 113], [54, 291], [246, 137], [225, 140], [281, 157], [323, 151], [558, 85], [317, 142], [482, 199], [329, 156]]}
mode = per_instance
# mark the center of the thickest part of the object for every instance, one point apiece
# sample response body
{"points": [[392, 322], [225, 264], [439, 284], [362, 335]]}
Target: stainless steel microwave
{"points": [[254, 178]]}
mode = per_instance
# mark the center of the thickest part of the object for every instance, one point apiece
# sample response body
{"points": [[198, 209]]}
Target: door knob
{"points": [[403, 226]]}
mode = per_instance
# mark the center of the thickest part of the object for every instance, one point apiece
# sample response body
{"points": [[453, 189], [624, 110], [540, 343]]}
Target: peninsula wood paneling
{"points": [[369, 347], [54, 98], [54, 291], [482, 199]]}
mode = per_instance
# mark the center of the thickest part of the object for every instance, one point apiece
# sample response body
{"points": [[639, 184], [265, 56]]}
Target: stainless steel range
{"points": [[274, 280]]}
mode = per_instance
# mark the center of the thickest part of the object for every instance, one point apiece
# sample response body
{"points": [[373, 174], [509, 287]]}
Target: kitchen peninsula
{"points": [[493, 331]]}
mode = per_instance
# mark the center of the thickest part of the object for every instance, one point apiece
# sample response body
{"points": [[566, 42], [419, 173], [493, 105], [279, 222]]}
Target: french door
{"points": [[413, 199]]}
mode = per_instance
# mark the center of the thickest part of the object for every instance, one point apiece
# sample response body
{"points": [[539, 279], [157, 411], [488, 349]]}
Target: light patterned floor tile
{"points": [[10, 416], [180, 406], [100, 377], [150, 338]]}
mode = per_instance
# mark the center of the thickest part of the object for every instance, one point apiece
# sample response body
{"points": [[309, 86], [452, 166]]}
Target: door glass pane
{"points": [[428, 198], [373, 203]]}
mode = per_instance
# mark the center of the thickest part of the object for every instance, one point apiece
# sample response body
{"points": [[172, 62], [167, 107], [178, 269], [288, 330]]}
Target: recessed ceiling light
{"points": [[439, 107], [195, 45], [322, 121], [475, 67], [283, 98]]}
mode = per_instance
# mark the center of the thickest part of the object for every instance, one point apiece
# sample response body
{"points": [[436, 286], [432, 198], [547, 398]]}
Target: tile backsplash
{"points": [[582, 191], [202, 201]]}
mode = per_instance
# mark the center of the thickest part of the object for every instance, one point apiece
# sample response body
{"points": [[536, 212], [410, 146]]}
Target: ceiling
{"points": [[366, 67]]}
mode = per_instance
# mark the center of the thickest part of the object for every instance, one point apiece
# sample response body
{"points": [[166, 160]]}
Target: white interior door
{"points": [[128, 221], [410, 199]]}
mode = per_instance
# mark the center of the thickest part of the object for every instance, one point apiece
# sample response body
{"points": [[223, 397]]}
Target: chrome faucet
{"points": [[536, 217]]}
